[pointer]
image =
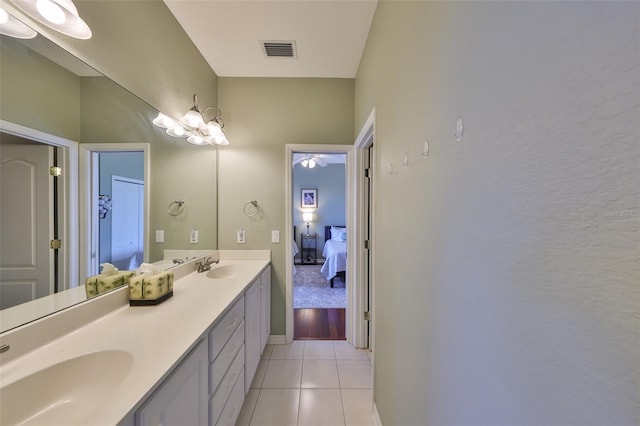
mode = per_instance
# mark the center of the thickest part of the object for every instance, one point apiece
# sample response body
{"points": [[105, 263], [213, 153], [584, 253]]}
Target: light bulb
{"points": [[51, 11]]}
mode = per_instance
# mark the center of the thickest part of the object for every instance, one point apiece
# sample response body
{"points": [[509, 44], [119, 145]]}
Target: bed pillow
{"points": [[338, 234]]}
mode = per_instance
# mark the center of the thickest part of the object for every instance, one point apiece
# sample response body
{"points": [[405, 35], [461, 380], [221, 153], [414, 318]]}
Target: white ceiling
{"points": [[329, 34]]}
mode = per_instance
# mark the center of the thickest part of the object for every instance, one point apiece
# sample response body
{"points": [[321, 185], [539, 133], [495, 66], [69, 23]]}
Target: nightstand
{"points": [[308, 254]]}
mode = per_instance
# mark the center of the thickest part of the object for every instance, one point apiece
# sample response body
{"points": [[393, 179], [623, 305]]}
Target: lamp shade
{"points": [[307, 216]]}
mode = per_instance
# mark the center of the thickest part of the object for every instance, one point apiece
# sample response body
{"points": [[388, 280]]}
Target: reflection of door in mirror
{"points": [[28, 197], [127, 239], [119, 239]]}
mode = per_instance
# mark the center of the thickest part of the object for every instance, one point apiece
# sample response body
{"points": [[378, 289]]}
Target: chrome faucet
{"points": [[205, 265], [178, 261]]}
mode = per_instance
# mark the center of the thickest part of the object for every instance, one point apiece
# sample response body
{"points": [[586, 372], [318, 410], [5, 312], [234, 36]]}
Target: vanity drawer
{"points": [[234, 404], [221, 333], [226, 387], [218, 368]]}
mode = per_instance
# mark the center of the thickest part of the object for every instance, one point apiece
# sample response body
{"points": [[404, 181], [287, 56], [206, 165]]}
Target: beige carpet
{"points": [[312, 290]]}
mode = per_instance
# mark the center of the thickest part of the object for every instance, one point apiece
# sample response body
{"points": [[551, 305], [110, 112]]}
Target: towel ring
{"points": [[251, 209], [176, 207]]}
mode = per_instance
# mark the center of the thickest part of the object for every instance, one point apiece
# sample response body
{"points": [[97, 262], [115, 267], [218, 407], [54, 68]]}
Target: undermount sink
{"points": [[225, 271], [66, 392]]}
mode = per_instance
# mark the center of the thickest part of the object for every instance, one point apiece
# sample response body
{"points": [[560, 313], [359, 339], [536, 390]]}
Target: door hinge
{"points": [[367, 316], [55, 171], [367, 245], [366, 173], [55, 244]]}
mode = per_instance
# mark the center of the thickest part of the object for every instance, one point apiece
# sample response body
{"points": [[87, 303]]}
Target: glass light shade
{"points": [[223, 141], [196, 140], [163, 121], [51, 11], [312, 163], [13, 27], [307, 216], [177, 131], [214, 129], [193, 119], [304, 163], [59, 15]]}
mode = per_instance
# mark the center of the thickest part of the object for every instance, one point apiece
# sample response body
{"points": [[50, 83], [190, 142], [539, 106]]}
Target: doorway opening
{"points": [[320, 249], [116, 205]]}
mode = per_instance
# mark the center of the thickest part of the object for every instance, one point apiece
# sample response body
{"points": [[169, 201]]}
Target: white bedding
{"points": [[335, 253]]}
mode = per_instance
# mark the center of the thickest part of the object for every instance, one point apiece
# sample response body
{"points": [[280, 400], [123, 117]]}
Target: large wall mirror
{"points": [[56, 111]]}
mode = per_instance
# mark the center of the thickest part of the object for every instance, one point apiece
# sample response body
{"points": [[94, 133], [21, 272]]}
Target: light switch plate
{"points": [[241, 236], [159, 236], [275, 236]]}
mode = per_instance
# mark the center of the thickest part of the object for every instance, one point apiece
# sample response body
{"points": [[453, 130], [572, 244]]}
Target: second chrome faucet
{"points": [[205, 264]]}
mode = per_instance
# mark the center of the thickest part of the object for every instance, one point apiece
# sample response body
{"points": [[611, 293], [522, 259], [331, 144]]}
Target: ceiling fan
{"points": [[309, 161]]}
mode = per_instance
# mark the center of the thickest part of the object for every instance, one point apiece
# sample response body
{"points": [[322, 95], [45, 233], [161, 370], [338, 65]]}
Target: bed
{"points": [[335, 253]]}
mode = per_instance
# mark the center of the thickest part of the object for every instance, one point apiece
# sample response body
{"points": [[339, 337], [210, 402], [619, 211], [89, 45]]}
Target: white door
{"points": [[26, 198], [127, 223]]}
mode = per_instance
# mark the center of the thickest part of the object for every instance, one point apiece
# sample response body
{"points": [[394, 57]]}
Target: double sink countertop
{"points": [[119, 358]]}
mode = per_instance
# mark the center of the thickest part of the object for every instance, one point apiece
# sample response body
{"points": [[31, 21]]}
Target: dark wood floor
{"points": [[319, 324]]}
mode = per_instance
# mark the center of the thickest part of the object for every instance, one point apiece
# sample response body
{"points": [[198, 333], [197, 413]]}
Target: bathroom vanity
{"points": [[189, 360]]}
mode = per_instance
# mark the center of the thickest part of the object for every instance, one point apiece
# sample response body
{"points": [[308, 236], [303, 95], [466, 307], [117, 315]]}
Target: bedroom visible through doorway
{"points": [[319, 246]]}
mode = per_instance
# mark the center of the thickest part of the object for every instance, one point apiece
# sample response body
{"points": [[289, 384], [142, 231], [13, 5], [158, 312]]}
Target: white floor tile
{"points": [[293, 350], [260, 373], [358, 408], [247, 408], [354, 374], [283, 373], [317, 349], [346, 350], [277, 407], [320, 373], [321, 407]]}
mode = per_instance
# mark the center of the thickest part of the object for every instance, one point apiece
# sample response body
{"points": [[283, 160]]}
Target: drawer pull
{"points": [[233, 323]]}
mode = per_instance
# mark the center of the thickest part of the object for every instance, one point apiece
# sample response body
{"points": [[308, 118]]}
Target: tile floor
{"points": [[324, 383]]}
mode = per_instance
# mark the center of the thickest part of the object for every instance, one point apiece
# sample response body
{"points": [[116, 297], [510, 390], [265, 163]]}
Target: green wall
{"points": [[263, 115], [506, 280]]}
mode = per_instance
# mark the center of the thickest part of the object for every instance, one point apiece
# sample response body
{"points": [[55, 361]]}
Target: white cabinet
{"points": [[257, 323], [182, 398], [252, 328], [265, 307]]}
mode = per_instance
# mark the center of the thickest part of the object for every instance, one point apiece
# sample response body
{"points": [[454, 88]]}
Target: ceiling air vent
{"points": [[279, 49]]}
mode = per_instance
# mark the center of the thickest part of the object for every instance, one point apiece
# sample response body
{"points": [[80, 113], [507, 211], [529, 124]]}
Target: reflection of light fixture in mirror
{"points": [[59, 15], [13, 27], [104, 206], [194, 127], [307, 217]]}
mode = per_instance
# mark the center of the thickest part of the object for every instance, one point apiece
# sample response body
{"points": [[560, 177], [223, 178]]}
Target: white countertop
{"points": [[157, 337]]}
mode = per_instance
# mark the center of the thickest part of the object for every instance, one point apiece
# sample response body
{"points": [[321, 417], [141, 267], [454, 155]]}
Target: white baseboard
{"points": [[376, 416], [277, 339]]}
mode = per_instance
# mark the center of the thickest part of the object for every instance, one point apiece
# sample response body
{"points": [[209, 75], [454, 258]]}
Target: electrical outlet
{"points": [[193, 236], [159, 236], [275, 236]]}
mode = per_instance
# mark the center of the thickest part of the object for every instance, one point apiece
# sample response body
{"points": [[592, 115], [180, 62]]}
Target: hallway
{"points": [[325, 383]]}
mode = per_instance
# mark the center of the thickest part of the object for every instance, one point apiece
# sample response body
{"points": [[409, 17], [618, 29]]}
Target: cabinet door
{"points": [[182, 398], [265, 311], [251, 331]]}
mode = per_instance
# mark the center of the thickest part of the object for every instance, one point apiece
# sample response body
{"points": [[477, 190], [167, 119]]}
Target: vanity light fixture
{"points": [[59, 15], [194, 127], [13, 27]]}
